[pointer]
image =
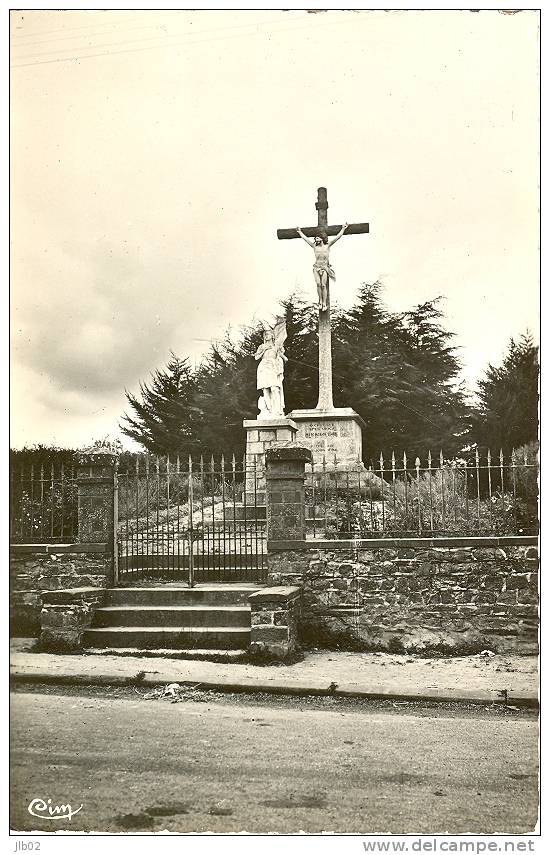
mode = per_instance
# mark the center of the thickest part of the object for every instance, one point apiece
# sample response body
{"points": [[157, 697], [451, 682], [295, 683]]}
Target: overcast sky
{"points": [[154, 155]]}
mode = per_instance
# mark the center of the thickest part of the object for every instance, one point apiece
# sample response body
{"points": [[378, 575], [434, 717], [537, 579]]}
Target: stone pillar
{"points": [[95, 481], [285, 477], [275, 618]]}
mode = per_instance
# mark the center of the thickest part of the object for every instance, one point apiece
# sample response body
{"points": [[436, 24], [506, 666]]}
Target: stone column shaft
{"points": [[325, 359]]}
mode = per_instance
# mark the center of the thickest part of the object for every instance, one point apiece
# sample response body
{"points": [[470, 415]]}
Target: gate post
{"points": [[275, 611], [96, 502], [285, 487]]}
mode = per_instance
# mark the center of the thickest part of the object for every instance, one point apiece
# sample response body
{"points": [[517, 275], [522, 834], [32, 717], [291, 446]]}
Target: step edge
{"points": [[169, 629], [205, 588], [162, 608]]}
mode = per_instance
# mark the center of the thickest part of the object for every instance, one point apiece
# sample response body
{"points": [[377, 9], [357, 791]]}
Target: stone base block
{"points": [[275, 614], [262, 434], [65, 617]]}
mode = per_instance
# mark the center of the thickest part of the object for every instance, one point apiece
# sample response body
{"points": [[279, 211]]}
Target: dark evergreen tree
{"points": [[301, 384], [226, 394], [508, 413], [164, 420], [398, 371]]}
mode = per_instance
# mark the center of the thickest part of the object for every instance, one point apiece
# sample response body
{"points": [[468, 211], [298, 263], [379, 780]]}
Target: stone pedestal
{"points": [[262, 434], [334, 436]]}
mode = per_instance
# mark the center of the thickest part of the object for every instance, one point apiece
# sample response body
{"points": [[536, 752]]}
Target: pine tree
{"points": [[508, 395], [399, 372], [302, 369], [164, 419]]}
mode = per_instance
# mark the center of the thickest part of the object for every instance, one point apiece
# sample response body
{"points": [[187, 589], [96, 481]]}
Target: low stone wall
{"points": [[450, 596], [36, 568], [274, 618]]}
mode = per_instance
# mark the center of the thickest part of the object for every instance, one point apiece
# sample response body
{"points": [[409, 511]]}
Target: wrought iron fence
{"points": [[193, 520], [430, 498], [402, 496], [43, 504]]}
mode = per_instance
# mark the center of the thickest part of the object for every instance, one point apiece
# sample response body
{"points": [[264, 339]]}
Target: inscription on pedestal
{"points": [[324, 429], [331, 439]]}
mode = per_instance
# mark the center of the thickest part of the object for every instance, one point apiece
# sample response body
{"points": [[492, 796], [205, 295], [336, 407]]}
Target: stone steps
{"points": [[174, 595], [173, 617], [149, 637]]}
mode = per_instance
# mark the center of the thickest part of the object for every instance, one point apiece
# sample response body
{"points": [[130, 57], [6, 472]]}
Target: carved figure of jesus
{"points": [[322, 270]]}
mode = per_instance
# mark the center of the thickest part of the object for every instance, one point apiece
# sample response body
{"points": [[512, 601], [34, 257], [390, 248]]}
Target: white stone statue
{"points": [[271, 356], [322, 271]]}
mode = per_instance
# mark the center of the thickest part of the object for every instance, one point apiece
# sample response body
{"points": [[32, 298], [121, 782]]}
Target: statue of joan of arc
{"points": [[271, 356]]}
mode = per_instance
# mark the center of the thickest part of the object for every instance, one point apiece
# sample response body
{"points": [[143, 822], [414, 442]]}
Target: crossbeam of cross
{"points": [[322, 229]]}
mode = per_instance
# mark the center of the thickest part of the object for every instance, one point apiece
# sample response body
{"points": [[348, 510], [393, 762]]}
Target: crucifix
{"points": [[323, 273]]}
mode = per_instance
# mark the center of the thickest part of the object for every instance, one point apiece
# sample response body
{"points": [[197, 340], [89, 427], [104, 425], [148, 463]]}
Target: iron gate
{"points": [[195, 521]]}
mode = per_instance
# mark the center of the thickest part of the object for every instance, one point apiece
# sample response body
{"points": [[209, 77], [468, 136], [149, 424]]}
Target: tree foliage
{"points": [[162, 418], [507, 416], [397, 370]]}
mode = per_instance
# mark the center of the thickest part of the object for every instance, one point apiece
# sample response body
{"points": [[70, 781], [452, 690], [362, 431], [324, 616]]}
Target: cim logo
{"points": [[45, 810]]}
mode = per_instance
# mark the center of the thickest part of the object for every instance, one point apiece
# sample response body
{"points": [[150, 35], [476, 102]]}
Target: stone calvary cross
{"points": [[322, 229]]}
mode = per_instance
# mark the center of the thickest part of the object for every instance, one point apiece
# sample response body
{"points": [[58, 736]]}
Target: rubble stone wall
{"points": [[455, 596], [37, 568]]}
